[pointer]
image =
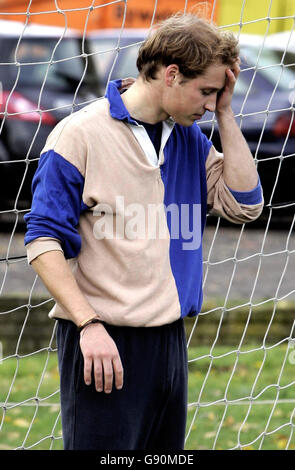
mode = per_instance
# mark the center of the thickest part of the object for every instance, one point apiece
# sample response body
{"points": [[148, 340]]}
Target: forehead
{"points": [[214, 77]]}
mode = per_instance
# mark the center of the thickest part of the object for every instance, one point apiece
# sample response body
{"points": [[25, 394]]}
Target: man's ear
{"points": [[171, 73]]}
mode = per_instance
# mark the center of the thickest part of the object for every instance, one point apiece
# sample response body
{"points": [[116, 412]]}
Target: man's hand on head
{"points": [[224, 98]]}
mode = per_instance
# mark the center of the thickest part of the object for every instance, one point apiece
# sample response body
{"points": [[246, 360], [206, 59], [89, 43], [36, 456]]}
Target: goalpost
{"points": [[241, 346]]}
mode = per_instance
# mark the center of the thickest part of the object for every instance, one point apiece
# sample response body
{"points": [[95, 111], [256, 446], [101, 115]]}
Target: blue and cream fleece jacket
{"points": [[130, 222]]}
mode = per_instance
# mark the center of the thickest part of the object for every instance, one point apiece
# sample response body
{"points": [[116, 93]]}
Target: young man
{"points": [[121, 193]]}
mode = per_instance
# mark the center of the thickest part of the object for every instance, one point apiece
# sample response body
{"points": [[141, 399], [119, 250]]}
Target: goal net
{"points": [[57, 56]]}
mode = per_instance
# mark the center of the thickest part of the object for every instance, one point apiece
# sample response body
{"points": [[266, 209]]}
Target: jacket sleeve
{"points": [[57, 188], [236, 206]]}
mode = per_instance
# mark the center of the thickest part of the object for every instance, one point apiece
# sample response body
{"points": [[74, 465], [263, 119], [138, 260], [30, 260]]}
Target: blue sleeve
{"points": [[249, 197], [57, 189]]}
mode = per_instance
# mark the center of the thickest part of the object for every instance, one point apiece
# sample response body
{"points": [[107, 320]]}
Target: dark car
{"points": [[115, 52], [262, 103], [44, 77]]}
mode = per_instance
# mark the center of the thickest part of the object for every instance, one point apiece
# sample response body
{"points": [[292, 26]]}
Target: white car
{"points": [[283, 41]]}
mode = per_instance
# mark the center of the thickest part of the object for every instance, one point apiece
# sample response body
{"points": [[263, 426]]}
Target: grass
{"points": [[215, 423], [42, 422], [258, 374]]}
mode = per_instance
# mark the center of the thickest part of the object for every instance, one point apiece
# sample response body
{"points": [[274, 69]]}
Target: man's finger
{"points": [[108, 375], [97, 368], [231, 80], [236, 69], [118, 371], [87, 370]]}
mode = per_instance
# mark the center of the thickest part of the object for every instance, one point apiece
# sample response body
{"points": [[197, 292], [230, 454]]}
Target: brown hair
{"points": [[190, 42]]}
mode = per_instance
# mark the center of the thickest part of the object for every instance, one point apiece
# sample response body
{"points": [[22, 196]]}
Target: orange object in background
{"points": [[77, 13], [44, 12], [139, 14]]}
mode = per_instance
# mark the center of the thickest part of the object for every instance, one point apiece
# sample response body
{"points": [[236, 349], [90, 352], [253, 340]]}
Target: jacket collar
{"points": [[117, 108]]}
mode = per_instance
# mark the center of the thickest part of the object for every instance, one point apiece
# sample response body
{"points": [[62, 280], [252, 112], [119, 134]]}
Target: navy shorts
{"points": [[148, 413]]}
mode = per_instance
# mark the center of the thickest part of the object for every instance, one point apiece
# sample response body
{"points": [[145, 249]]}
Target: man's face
{"points": [[186, 100]]}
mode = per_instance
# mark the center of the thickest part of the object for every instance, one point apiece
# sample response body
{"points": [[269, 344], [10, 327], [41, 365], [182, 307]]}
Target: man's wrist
{"points": [[90, 326], [224, 114], [88, 321]]}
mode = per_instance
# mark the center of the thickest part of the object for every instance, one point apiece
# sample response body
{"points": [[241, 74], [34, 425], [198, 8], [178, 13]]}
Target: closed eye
{"points": [[209, 91], [206, 93]]}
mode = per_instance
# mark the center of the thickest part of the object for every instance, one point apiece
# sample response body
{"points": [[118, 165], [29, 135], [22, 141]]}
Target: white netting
{"points": [[241, 346]]}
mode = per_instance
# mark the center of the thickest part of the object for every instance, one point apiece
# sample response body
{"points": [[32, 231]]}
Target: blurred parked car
{"points": [[262, 102], [41, 68], [115, 52], [285, 40]]}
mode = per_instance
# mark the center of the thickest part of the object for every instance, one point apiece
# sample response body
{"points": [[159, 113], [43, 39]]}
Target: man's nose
{"points": [[210, 104]]}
